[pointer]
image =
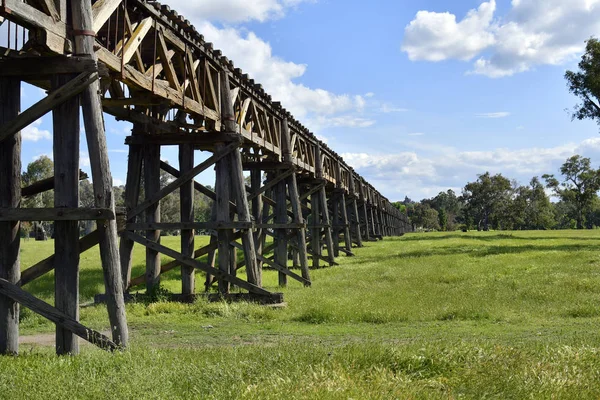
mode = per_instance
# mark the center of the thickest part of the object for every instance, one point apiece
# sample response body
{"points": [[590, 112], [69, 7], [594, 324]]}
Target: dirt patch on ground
{"points": [[46, 339]]}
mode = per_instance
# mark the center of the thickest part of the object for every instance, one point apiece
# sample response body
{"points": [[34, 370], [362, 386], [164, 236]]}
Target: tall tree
{"points": [[39, 169], [585, 83], [579, 187], [486, 197], [425, 217]]}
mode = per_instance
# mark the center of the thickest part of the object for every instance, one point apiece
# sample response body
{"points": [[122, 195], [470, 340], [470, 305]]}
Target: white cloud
{"points": [[534, 32], [278, 77], [416, 134], [423, 170], [501, 114], [433, 36], [33, 133], [370, 94], [386, 108], [233, 10], [342, 121], [118, 182]]}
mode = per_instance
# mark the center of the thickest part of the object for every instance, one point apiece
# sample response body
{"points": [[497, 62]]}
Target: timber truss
{"points": [[142, 62]]}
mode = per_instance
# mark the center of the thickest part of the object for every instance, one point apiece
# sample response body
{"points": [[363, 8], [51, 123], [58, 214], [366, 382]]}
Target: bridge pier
{"points": [[159, 74]]}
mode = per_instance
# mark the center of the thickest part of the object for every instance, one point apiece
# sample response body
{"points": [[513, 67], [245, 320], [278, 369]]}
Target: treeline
{"points": [[496, 202], [43, 168]]}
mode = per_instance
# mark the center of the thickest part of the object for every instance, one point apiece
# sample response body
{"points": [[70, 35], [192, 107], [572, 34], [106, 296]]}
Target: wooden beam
{"points": [[138, 35], [73, 88], [101, 12], [186, 196], [56, 214], [152, 213], [174, 264], [177, 183], [272, 183], [141, 226], [196, 264], [10, 196], [36, 67], [66, 125], [169, 139], [81, 13], [44, 185], [59, 318], [278, 267], [167, 64], [46, 265]]}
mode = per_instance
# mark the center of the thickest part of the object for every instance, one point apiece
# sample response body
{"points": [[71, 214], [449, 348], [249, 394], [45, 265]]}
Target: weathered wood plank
{"points": [[65, 119], [59, 318], [101, 12], [55, 98], [10, 196], [44, 185], [186, 195], [214, 225], [36, 67], [152, 213], [56, 214], [132, 194], [177, 183], [225, 276], [81, 13]]}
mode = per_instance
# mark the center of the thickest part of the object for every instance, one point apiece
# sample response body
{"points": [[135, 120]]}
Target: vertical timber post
{"points": [[65, 120], [132, 194], [10, 196], [257, 211], [355, 215], [253, 275], [186, 197], [151, 186], [292, 184], [281, 233], [81, 11]]}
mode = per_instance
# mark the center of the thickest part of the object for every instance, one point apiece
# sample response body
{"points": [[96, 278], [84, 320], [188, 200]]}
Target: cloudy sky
{"points": [[418, 95]]}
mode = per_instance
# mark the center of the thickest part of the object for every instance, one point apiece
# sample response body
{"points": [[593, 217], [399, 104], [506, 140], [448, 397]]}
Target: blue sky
{"points": [[419, 96]]}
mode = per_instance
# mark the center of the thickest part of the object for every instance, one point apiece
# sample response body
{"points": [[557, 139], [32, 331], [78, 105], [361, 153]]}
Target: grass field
{"points": [[438, 315]]}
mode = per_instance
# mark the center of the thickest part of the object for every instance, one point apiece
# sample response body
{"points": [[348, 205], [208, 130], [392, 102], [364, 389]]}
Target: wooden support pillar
{"points": [[335, 229], [10, 196], [253, 274], [354, 212], [316, 229], [281, 234], [222, 187], [186, 197], [81, 12], [66, 122], [132, 194], [345, 223], [292, 184], [321, 199], [152, 213], [257, 213], [365, 215], [212, 254], [327, 225]]}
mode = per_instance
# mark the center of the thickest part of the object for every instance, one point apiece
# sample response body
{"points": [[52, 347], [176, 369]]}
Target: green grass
{"points": [[437, 315]]}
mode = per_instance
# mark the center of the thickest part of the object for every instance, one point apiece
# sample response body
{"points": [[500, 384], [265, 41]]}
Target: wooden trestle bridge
{"points": [[142, 62]]}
